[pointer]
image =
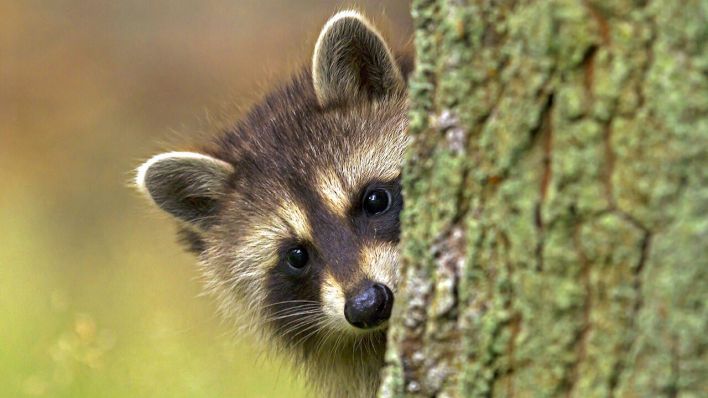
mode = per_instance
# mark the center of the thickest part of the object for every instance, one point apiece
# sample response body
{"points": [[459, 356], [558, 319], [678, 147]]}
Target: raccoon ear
{"points": [[353, 62], [187, 185]]}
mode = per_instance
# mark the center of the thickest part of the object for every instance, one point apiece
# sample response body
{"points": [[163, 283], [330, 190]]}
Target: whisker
{"points": [[290, 302], [309, 331], [308, 335], [284, 316], [297, 328], [330, 331], [293, 309]]}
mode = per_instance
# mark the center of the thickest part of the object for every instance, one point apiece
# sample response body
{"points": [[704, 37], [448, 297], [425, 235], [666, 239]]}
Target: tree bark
{"points": [[555, 237]]}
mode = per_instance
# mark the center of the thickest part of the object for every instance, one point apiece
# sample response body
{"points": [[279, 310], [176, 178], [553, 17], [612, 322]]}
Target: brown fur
{"points": [[297, 166]]}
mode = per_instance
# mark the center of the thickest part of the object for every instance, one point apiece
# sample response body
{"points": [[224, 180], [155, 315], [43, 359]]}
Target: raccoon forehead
{"points": [[373, 160]]}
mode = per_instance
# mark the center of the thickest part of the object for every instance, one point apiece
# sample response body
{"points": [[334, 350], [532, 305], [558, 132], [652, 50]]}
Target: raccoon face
{"points": [[294, 212]]}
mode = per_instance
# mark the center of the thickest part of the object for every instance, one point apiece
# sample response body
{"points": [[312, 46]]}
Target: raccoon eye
{"points": [[376, 201], [297, 257]]}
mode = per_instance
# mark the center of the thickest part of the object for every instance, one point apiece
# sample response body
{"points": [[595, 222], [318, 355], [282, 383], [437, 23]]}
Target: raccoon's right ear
{"points": [[187, 185], [353, 62]]}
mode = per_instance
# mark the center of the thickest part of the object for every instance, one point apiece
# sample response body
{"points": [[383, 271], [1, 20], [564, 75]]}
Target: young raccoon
{"points": [[294, 212]]}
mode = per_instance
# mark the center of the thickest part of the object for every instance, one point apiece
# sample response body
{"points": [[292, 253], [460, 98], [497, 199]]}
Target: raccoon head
{"points": [[294, 211]]}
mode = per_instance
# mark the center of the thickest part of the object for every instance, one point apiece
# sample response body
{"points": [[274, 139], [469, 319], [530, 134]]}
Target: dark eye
{"points": [[297, 257], [376, 201]]}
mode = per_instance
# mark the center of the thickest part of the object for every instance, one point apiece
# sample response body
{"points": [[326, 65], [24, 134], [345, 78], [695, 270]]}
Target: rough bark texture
{"points": [[555, 236]]}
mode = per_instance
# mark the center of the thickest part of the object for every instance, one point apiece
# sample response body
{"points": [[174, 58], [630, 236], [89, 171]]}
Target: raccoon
{"points": [[294, 212]]}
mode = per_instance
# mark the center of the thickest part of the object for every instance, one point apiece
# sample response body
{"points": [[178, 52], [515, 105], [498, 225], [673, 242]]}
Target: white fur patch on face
{"points": [[379, 262], [333, 192], [261, 243], [365, 162], [368, 161], [363, 165], [259, 250], [333, 300], [295, 219]]}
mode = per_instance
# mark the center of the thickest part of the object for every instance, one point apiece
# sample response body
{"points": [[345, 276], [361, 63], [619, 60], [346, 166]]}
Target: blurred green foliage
{"points": [[96, 298]]}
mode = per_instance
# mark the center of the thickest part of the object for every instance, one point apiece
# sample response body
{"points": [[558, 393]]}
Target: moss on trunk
{"points": [[555, 235]]}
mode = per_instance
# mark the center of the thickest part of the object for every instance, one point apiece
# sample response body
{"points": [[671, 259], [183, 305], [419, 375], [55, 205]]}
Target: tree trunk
{"points": [[555, 237]]}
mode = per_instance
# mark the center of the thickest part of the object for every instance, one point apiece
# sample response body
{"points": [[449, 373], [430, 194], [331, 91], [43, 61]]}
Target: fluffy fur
{"points": [[294, 172]]}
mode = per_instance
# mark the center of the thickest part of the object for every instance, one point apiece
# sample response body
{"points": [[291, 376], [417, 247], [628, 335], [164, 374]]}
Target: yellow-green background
{"points": [[96, 298]]}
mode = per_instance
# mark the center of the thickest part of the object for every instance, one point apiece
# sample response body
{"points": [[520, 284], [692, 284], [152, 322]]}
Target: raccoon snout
{"points": [[369, 307]]}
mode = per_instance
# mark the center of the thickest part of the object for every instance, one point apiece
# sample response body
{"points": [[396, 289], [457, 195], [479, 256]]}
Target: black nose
{"points": [[369, 307]]}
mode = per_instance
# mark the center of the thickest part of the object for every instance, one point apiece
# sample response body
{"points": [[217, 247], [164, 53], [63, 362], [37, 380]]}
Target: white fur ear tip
{"points": [[140, 177], [141, 172], [345, 14]]}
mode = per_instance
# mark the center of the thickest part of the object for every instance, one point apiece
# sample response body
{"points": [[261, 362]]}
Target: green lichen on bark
{"points": [[555, 231]]}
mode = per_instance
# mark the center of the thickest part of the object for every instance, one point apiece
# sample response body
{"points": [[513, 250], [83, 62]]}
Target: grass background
{"points": [[96, 298]]}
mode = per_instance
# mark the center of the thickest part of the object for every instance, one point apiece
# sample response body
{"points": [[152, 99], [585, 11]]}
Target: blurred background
{"points": [[96, 298]]}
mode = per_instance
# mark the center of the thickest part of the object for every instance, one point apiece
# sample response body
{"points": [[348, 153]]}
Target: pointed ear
{"points": [[187, 185], [352, 62]]}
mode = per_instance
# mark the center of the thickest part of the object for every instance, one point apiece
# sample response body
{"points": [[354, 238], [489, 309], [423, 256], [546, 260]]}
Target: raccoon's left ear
{"points": [[186, 185], [352, 62]]}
